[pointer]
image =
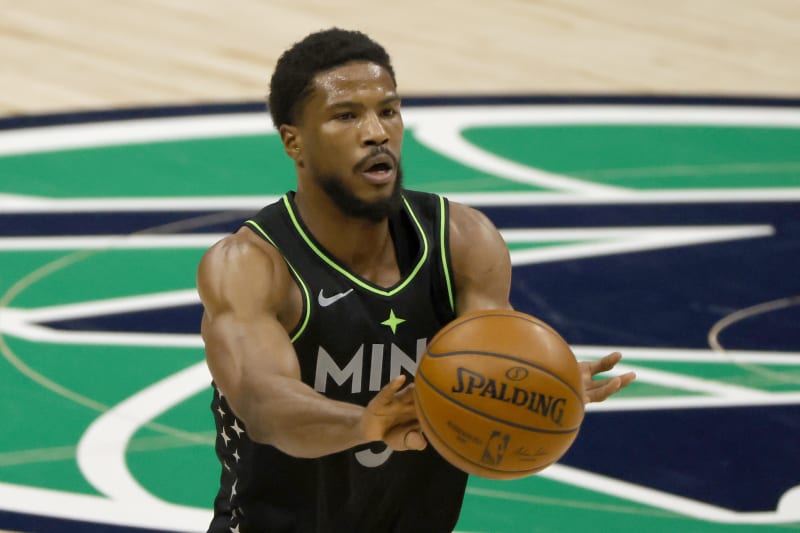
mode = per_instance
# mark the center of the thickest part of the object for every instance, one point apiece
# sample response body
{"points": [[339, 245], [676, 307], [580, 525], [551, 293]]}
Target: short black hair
{"points": [[291, 81]]}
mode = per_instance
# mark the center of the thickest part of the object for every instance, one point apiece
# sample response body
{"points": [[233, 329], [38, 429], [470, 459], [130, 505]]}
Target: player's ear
{"points": [[292, 143]]}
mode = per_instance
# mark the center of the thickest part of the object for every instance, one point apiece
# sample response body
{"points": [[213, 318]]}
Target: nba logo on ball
{"points": [[499, 394]]}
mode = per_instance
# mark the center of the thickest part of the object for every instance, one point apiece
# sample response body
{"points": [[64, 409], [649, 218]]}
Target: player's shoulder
{"points": [[466, 220], [244, 273], [239, 249], [242, 255], [471, 233]]}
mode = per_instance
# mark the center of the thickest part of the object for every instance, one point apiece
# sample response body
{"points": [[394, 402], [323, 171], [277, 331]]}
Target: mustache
{"points": [[377, 150]]}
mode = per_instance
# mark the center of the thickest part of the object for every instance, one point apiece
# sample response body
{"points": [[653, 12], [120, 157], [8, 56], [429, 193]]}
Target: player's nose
{"points": [[373, 131]]}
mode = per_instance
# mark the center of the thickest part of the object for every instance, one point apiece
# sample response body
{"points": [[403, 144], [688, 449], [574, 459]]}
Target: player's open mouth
{"points": [[379, 169]]}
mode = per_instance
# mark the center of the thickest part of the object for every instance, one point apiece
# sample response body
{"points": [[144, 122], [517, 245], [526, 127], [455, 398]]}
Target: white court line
{"points": [[105, 306], [89, 508], [625, 232], [14, 203], [101, 449], [69, 137], [42, 334], [441, 129], [692, 196], [788, 510], [445, 138], [10, 203], [621, 240], [76, 136], [693, 384], [101, 458], [23, 323], [695, 402], [111, 242], [689, 355], [615, 240]]}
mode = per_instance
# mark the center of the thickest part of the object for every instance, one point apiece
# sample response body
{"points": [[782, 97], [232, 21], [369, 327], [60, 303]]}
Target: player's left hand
{"points": [[597, 390]]}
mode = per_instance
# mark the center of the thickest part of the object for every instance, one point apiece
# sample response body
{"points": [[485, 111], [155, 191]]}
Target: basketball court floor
{"points": [[658, 216]]}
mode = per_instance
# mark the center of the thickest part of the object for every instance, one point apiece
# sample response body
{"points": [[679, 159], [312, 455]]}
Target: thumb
{"points": [[414, 440]]}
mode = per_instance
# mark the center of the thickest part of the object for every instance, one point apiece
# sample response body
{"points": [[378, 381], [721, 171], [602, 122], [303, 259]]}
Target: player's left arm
{"points": [[481, 261], [482, 278]]}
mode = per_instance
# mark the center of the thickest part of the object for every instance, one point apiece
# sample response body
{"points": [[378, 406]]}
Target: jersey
{"points": [[352, 339]]}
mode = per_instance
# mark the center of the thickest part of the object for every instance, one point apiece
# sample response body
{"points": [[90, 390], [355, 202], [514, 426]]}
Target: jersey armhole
{"points": [[300, 327]]}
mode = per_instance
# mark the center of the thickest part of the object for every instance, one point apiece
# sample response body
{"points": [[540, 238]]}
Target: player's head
{"points": [[291, 82], [334, 101]]}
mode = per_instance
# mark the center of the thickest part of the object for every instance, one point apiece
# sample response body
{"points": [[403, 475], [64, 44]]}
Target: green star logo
{"points": [[393, 321]]}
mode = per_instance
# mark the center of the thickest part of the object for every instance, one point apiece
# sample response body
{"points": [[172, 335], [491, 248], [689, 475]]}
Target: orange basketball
{"points": [[499, 394]]}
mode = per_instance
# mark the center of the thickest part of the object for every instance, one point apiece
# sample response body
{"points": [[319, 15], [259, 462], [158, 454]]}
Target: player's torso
{"points": [[353, 336]]}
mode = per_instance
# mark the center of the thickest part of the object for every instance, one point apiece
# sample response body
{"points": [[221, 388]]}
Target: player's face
{"points": [[351, 134]]}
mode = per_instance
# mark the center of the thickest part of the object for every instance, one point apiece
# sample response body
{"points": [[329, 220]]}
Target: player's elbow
{"points": [[267, 425]]}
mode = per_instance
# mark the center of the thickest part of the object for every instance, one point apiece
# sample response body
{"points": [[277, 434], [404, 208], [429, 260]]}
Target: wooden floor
{"points": [[98, 54]]}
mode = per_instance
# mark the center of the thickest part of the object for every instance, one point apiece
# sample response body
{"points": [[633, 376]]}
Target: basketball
{"points": [[499, 394]]}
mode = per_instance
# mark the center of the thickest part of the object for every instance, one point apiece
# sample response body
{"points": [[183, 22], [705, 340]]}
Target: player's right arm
{"points": [[482, 273], [246, 290]]}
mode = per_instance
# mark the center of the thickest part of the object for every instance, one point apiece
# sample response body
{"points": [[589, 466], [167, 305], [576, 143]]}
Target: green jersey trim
{"points": [[303, 287], [349, 275], [444, 251]]}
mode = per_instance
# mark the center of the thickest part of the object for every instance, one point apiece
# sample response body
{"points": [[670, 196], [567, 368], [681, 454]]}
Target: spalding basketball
{"points": [[499, 394]]}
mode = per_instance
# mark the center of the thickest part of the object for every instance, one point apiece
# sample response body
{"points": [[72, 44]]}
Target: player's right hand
{"points": [[391, 417]]}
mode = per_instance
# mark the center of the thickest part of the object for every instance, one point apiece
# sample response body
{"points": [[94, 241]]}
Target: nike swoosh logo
{"points": [[325, 302]]}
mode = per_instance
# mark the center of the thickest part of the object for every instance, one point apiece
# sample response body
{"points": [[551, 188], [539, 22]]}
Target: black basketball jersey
{"points": [[353, 337]]}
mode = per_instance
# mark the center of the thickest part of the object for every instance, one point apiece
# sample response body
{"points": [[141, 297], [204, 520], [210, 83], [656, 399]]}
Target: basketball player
{"points": [[317, 308]]}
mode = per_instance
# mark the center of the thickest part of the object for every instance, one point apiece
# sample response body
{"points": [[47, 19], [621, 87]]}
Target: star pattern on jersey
{"points": [[230, 431], [393, 321], [234, 517]]}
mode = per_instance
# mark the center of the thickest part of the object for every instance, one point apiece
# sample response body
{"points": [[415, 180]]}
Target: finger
{"points": [[602, 390], [627, 378], [387, 394], [623, 379], [606, 363], [406, 394], [397, 383]]}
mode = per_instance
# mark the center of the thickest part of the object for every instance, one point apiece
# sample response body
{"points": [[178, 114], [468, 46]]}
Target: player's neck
{"points": [[366, 248]]}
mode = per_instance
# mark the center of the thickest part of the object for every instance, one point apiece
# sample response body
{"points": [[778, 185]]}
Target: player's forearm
{"points": [[302, 423]]}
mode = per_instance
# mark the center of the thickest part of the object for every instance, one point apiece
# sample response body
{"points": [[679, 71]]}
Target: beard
{"points": [[352, 205]]}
